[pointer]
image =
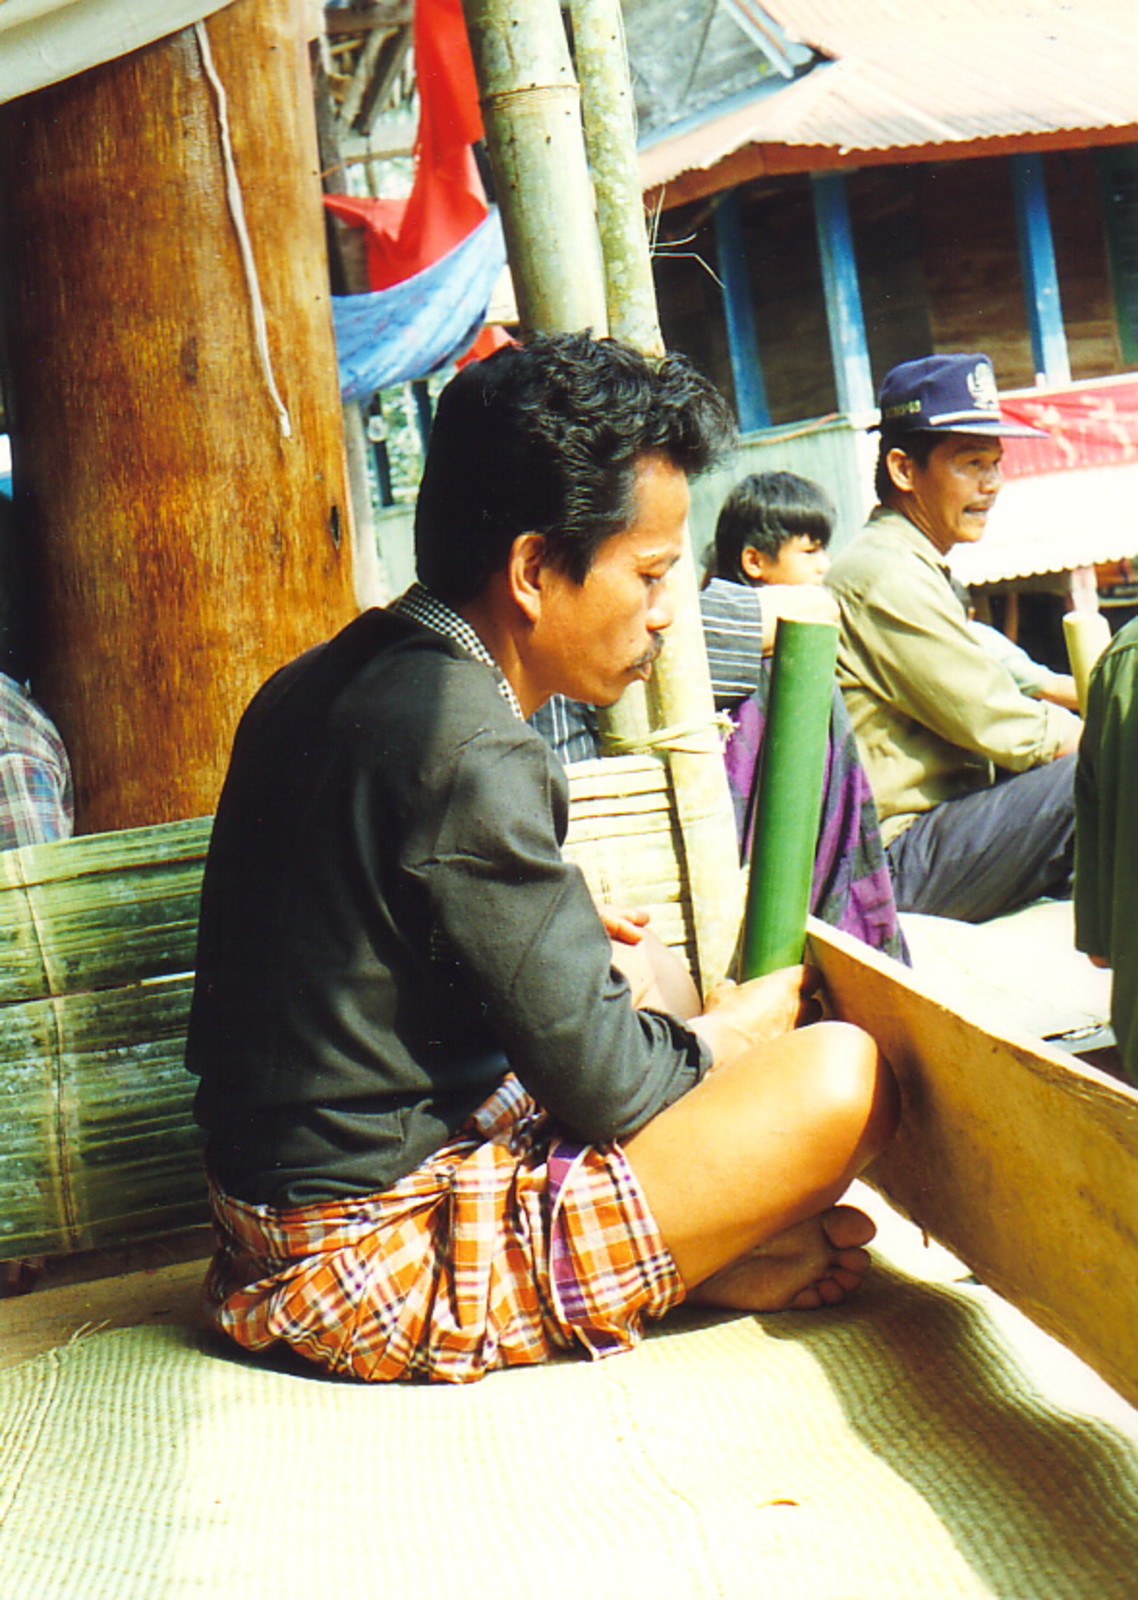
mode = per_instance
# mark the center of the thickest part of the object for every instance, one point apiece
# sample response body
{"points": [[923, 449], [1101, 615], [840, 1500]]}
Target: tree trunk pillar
{"points": [[177, 447]]}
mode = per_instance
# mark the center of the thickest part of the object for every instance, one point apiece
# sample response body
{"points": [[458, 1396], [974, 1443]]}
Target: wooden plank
{"points": [[1023, 1161], [32, 1324]]}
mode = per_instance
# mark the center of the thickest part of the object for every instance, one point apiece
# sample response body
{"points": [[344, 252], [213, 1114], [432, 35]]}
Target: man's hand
{"points": [[624, 926], [738, 1016], [798, 602], [1070, 742]]}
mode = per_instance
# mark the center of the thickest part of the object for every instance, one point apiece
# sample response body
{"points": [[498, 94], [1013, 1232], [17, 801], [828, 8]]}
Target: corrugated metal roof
{"points": [[905, 76]]}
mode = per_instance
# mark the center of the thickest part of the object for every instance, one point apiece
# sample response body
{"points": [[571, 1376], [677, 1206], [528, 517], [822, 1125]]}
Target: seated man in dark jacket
{"points": [[440, 1136]]}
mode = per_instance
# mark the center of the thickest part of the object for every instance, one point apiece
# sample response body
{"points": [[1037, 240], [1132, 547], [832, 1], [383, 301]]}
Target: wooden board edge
{"points": [[1018, 1158]]}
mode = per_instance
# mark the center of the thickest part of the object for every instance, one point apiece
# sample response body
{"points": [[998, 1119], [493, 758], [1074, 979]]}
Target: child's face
{"points": [[800, 559]]}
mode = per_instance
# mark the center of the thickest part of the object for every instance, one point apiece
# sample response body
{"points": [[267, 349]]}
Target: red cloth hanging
{"points": [[492, 337], [447, 200]]}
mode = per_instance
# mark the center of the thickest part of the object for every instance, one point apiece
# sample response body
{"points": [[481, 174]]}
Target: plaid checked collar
{"points": [[420, 606]]}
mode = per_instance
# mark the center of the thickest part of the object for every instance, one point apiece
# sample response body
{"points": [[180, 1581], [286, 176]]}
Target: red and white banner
{"points": [[1089, 425]]}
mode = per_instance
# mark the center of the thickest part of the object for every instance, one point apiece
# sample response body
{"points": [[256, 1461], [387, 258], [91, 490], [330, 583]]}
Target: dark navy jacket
{"points": [[388, 926]]}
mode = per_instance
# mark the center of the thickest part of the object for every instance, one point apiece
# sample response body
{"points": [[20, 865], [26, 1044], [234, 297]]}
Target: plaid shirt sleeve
{"points": [[36, 802]]}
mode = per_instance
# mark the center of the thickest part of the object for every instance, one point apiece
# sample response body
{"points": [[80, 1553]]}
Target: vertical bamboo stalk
{"points": [[531, 110], [680, 696], [532, 115], [606, 106], [789, 802], [1086, 635], [610, 138]]}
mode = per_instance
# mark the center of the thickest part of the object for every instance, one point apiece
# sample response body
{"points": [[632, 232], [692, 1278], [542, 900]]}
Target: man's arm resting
{"points": [[913, 648]]}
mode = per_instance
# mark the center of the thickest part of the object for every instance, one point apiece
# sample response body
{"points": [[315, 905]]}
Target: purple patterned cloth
{"points": [[851, 887]]}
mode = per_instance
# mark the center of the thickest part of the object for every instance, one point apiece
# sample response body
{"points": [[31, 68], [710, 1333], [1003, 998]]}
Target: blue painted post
{"points": [[739, 312], [848, 346], [1040, 277]]}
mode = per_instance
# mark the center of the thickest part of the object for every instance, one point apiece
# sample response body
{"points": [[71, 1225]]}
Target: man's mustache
{"points": [[651, 654]]}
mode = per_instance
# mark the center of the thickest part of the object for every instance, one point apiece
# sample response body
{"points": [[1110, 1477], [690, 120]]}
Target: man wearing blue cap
{"points": [[973, 779]]}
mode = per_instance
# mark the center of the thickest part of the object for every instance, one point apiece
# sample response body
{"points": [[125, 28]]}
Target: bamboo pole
{"points": [[531, 111], [1086, 635], [610, 138], [680, 707], [532, 114], [630, 294]]}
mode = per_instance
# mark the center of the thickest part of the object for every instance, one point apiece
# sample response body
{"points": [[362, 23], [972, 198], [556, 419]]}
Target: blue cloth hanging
{"points": [[395, 335]]}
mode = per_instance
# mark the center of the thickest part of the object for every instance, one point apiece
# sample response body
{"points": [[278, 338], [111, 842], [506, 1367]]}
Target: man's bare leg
{"points": [[743, 1174]]}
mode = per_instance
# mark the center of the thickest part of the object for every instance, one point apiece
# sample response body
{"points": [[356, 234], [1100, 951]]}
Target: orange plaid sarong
{"points": [[505, 1245]]}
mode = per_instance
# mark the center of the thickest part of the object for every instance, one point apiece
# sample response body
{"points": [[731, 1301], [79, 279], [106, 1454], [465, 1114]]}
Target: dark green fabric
{"points": [[1106, 832]]}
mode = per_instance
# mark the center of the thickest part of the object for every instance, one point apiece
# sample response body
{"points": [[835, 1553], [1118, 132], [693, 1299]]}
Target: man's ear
{"points": [[524, 573], [900, 469], [756, 564]]}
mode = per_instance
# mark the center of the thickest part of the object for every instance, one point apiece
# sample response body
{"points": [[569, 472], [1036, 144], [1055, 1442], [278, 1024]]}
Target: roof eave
{"points": [[672, 175]]}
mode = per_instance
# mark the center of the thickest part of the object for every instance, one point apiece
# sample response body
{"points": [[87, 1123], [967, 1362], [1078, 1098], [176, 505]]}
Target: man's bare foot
{"points": [[816, 1263]]}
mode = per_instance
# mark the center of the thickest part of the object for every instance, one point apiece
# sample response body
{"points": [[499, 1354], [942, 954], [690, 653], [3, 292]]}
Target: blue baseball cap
{"points": [[946, 394]]}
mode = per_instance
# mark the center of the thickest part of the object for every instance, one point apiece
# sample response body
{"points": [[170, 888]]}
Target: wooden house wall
{"points": [[938, 262], [777, 221], [688, 294], [939, 267]]}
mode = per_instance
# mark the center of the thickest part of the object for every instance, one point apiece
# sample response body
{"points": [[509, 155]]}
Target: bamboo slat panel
{"points": [[99, 1143], [95, 911], [98, 1146], [624, 836], [97, 935]]}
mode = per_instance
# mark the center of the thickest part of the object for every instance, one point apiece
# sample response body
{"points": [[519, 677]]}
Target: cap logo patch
{"points": [[982, 388]]}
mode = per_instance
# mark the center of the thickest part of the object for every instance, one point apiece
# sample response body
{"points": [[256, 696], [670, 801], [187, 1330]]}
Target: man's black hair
{"points": [[764, 510], [917, 446], [545, 438]]}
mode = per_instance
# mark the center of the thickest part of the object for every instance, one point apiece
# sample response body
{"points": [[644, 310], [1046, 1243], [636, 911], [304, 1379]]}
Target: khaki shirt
{"points": [[934, 712]]}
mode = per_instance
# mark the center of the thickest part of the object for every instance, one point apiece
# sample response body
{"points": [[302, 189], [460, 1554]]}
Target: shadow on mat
{"points": [[1041, 1502]]}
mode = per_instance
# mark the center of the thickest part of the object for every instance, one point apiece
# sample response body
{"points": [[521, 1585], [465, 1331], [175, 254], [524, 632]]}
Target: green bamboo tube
{"points": [[789, 799]]}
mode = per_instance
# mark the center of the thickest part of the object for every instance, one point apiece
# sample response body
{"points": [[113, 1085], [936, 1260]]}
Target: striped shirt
{"points": [[732, 615]]}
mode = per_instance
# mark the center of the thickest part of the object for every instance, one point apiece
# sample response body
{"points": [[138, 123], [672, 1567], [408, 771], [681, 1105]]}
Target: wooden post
{"points": [[739, 314], [176, 419], [844, 316], [1042, 300]]}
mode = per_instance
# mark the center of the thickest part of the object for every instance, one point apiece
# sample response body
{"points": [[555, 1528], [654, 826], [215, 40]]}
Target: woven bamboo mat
{"points": [[893, 1451]]}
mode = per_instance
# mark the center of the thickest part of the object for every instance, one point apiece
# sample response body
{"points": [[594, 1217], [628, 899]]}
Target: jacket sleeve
{"points": [[1106, 791], [916, 652], [522, 926]]}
